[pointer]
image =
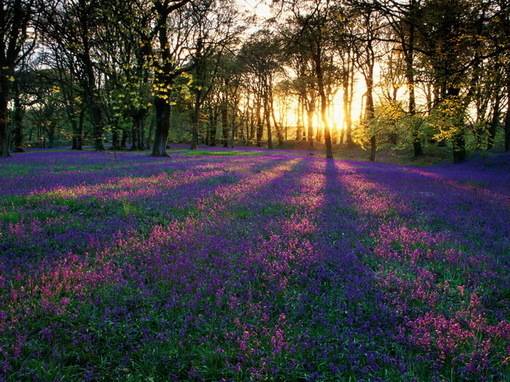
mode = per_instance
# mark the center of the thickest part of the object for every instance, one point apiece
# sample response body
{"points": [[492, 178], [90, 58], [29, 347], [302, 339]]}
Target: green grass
{"points": [[11, 170]]}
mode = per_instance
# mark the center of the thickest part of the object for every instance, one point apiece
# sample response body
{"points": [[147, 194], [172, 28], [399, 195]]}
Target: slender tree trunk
{"points": [[214, 128], [253, 126], [325, 123], [369, 115], [278, 127], [495, 121], [4, 132], [195, 123], [267, 115], [347, 102], [458, 140], [259, 121], [79, 132], [137, 131], [507, 120], [299, 127], [18, 124], [309, 115], [140, 126], [123, 139], [115, 140], [224, 124], [409, 60]]}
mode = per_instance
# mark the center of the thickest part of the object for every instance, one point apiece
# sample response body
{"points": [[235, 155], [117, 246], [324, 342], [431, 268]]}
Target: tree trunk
{"points": [[373, 148], [347, 103], [325, 124], [165, 80], [4, 132], [299, 127], [214, 128], [90, 85], [310, 114], [507, 122], [137, 131], [163, 110], [458, 141], [409, 60], [123, 140], [369, 116], [195, 124], [495, 121], [507, 131], [115, 140], [224, 124], [459, 148], [78, 132], [268, 124], [277, 126], [18, 124]]}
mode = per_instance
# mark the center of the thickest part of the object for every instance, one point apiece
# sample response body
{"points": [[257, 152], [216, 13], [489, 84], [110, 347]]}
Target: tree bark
{"points": [[310, 114], [299, 127], [409, 60], [348, 88], [224, 124], [18, 123], [163, 110], [495, 121], [195, 124], [90, 82], [507, 121], [458, 140], [370, 113], [267, 115], [4, 133], [162, 106]]}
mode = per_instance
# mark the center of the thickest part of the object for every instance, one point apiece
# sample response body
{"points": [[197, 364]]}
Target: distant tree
{"points": [[217, 29], [260, 55]]}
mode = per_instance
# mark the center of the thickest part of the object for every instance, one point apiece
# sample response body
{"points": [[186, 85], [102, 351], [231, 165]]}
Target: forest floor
{"points": [[252, 265]]}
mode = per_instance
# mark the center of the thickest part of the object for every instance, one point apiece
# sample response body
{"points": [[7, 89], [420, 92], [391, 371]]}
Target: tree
{"points": [[260, 55], [16, 41], [216, 30], [368, 30], [166, 62], [404, 19], [314, 37], [446, 36]]}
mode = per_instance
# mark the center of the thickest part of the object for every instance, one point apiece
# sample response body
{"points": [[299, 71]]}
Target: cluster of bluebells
{"points": [[262, 267]]}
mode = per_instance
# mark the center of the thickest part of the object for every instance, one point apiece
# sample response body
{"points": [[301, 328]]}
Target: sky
{"points": [[260, 8]]}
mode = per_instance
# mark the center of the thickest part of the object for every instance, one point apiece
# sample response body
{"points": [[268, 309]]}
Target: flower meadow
{"points": [[262, 267]]}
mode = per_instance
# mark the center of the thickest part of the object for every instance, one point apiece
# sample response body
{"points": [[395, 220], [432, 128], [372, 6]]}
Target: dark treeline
{"points": [[140, 74]]}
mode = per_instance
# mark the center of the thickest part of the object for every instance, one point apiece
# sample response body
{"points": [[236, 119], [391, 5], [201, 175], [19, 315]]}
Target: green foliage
{"points": [[448, 119]]}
